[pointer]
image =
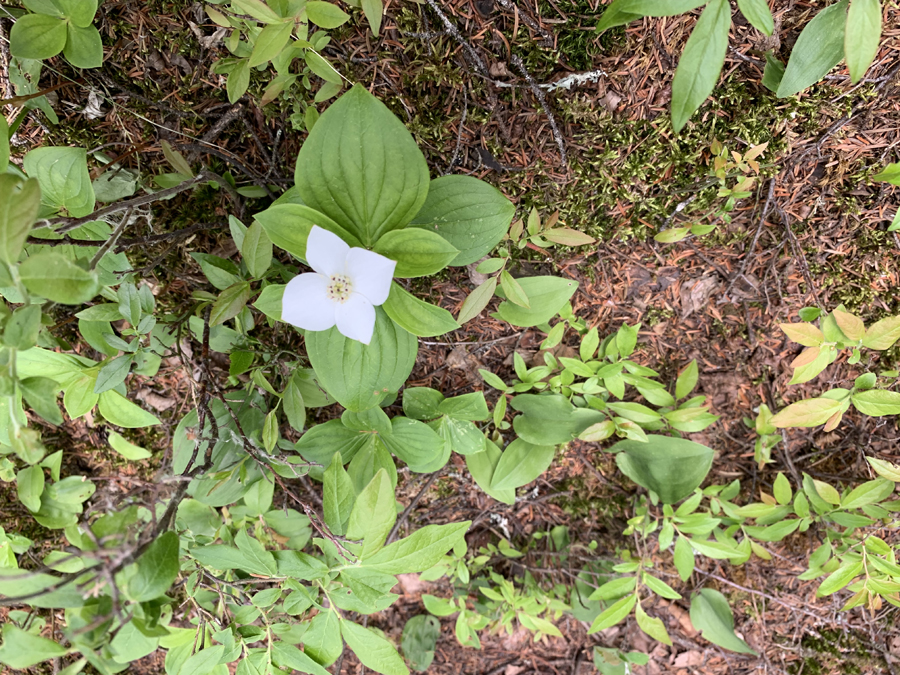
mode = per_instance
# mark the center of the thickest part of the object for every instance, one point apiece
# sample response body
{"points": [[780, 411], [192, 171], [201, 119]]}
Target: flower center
{"points": [[339, 288]]}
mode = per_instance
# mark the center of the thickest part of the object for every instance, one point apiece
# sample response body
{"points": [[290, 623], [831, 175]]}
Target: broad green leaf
{"points": [[701, 62], [870, 492], [4, 158], [289, 225], [157, 569], [79, 12], [257, 250], [882, 334], [22, 328], [840, 578], [850, 325], [374, 514], [566, 236], [546, 297], [551, 419], [513, 290], [612, 590], [424, 548], [471, 407], [818, 49], [775, 532], [338, 496], [37, 36], [863, 33], [294, 408], [19, 205], [687, 380], [322, 441], [362, 168], [661, 588], [113, 373], [877, 402], [238, 80], [373, 650], [220, 272], [621, 12], [757, 12], [373, 9], [889, 174], [118, 410], [40, 393], [482, 466], [417, 444], [29, 486], [270, 41], [613, 614], [885, 469], [325, 14], [322, 68], [203, 662], [651, 625], [269, 301], [418, 252], [84, 47], [711, 615], [469, 213], [257, 9], [803, 333], [672, 467], [64, 178], [21, 649], [477, 300], [54, 276], [417, 316], [322, 640], [420, 636], [127, 449], [782, 489], [684, 558], [520, 464], [291, 657], [773, 73], [358, 376], [230, 303], [809, 413]]}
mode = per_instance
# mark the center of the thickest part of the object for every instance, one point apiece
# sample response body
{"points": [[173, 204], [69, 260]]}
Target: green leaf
{"points": [[54, 276], [687, 380], [289, 225], [322, 68], [711, 615], [4, 160], [877, 402], [889, 174], [840, 578], [127, 449], [157, 569], [613, 614], [40, 394], [63, 176], [661, 588], [614, 589], [230, 303], [322, 640], [684, 558], [818, 49], [113, 373], [885, 469], [21, 649], [80, 12], [624, 11], [551, 419], [270, 41], [325, 14], [862, 35], [257, 9], [338, 496], [373, 9], [373, 514], [672, 467], [362, 168], [472, 215], [882, 334], [809, 413], [37, 36], [520, 464], [203, 662], [294, 408], [651, 625], [757, 12], [482, 466], [373, 650], [782, 489], [513, 290], [424, 548], [22, 328], [238, 80], [118, 410], [257, 250], [269, 301], [477, 300], [358, 376], [291, 657], [773, 73], [420, 636], [417, 316], [84, 47], [29, 486], [19, 205], [418, 253], [546, 297], [870, 492], [701, 62]]}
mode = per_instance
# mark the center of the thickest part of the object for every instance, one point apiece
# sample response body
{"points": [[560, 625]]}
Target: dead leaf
{"points": [[154, 400], [688, 659], [695, 293]]}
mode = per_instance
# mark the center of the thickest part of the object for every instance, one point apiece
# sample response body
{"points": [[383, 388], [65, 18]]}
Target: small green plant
{"points": [[56, 26]]}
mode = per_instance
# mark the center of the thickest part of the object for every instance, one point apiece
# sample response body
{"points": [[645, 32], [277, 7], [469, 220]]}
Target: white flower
{"points": [[344, 289]]}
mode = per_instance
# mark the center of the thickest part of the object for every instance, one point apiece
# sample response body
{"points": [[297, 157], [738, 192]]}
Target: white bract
{"points": [[347, 285]]}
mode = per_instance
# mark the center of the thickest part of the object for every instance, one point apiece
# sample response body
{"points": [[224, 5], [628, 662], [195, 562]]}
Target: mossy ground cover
{"points": [[822, 242]]}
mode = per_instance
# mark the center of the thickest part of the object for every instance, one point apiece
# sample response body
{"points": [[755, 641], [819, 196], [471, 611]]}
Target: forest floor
{"points": [[603, 154]]}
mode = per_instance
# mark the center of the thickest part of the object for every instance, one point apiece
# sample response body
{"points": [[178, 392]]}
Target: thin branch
{"points": [[520, 66]]}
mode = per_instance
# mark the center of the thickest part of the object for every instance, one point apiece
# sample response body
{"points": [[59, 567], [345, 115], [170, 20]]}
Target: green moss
{"points": [[834, 651]]}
